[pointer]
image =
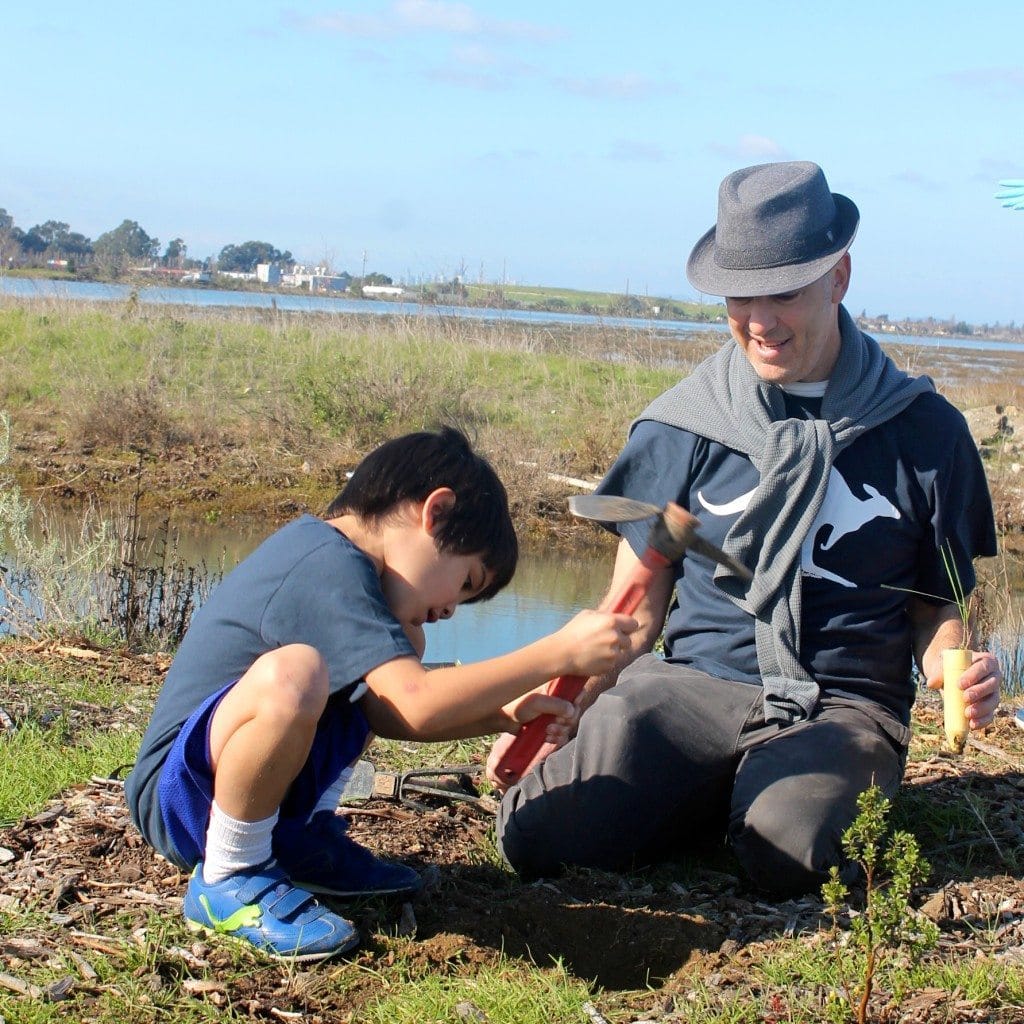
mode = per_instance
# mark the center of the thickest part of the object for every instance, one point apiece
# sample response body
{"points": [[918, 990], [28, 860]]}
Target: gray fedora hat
{"points": [[779, 228]]}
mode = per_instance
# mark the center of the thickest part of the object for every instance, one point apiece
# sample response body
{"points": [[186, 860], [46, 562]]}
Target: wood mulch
{"points": [[99, 893]]}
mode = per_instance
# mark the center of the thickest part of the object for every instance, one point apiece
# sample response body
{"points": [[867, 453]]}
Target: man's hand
{"points": [[980, 683]]}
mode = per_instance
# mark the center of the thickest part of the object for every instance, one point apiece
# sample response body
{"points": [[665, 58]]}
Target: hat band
{"points": [[800, 250]]}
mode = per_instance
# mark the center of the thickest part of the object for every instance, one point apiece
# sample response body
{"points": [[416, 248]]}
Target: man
{"points": [[848, 488]]}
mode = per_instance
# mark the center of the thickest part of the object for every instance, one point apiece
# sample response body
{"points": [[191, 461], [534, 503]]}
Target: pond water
{"points": [[91, 291], [549, 587], [547, 590]]}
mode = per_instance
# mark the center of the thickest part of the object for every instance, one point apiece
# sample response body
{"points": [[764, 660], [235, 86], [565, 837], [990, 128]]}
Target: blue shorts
{"points": [[185, 790]]}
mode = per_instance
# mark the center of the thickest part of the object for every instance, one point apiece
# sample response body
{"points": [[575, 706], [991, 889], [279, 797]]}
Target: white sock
{"points": [[331, 796], [233, 845]]}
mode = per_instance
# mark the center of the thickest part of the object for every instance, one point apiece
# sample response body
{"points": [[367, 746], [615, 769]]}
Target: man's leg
{"points": [[796, 792], [654, 757]]}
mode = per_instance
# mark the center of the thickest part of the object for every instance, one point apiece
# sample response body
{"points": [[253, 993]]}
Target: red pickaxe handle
{"points": [[530, 737]]}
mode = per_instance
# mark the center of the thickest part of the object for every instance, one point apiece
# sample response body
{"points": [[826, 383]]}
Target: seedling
{"points": [[892, 868], [955, 660]]}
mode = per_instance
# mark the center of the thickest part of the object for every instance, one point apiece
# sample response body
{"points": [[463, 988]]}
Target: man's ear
{"points": [[840, 279], [436, 508]]}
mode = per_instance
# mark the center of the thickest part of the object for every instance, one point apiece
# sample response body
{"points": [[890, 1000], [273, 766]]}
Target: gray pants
{"points": [[671, 756]]}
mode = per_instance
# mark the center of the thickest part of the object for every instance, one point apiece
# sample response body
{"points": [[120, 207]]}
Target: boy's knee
{"points": [[290, 680]]}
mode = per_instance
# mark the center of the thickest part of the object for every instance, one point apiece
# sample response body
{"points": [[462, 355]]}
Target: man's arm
{"points": [[940, 626]]}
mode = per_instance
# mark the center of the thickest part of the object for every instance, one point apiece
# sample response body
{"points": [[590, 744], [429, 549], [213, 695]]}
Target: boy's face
{"points": [[422, 584]]}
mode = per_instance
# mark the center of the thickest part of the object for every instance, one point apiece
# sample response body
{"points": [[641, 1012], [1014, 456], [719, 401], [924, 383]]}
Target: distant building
{"points": [[268, 273], [383, 290], [329, 282]]}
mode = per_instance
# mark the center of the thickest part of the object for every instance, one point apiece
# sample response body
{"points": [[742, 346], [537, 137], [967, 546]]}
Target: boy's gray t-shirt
{"points": [[307, 583]]}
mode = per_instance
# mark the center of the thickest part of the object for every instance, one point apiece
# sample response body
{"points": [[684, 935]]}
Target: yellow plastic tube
{"points": [[955, 661]]}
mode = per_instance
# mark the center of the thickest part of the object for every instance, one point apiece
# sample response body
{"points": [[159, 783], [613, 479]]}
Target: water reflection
{"points": [[547, 590]]}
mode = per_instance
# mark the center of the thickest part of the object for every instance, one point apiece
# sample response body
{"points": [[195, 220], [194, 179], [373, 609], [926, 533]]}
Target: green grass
{"points": [[599, 303], [35, 765], [298, 382], [508, 991]]}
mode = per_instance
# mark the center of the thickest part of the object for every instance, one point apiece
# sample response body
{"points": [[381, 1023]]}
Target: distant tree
{"points": [[376, 278], [126, 243], [176, 252], [49, 233], [243, 258], [10, 238]]}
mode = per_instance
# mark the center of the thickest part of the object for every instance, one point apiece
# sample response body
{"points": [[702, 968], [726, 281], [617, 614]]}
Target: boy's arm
{"points": [[404, 701]]}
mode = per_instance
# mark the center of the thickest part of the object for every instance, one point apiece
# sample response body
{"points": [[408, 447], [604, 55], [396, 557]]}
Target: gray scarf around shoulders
{"points": [[725, 401]]}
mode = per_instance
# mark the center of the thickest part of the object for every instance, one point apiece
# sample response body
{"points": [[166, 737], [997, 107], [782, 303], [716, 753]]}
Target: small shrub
{"points": [[886, 923]]}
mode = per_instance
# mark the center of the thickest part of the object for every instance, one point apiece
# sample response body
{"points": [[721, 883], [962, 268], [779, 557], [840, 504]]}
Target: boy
{"points": [[305, 651]]}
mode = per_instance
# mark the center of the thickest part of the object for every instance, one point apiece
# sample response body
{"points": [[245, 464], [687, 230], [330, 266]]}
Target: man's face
{"points": [[793, 336]]}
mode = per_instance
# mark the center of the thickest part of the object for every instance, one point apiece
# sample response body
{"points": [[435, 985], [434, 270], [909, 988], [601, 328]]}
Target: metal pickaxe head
{"points": [[673, 533]]}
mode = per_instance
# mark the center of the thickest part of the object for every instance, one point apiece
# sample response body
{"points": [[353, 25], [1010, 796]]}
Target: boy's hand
{"points": [[536, 703], [595, 641], [525, 709]]}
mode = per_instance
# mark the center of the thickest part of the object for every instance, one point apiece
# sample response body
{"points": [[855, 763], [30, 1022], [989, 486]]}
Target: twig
{"points": [[23, 988], [993, 751]]}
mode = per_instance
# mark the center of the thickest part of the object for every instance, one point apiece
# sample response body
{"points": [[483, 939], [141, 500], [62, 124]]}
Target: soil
{"points": [[643, 938]]}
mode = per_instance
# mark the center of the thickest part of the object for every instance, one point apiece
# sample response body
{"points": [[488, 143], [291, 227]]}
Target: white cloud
{"points": [[437, 16], [750, 147], [618, 87], [915, 179], [638, 151], [999, 82]]}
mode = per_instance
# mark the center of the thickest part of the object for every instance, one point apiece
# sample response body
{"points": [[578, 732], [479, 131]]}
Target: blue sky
{"points": [[563, 143]]}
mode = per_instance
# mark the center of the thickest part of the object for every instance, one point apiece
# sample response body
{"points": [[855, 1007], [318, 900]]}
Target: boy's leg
{"points": [[263, 729], [259, 737], [796, 792], [652, 763]]}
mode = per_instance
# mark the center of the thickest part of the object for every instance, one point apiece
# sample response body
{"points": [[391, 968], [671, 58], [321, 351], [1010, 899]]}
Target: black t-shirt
{"points": [[896, 496]]}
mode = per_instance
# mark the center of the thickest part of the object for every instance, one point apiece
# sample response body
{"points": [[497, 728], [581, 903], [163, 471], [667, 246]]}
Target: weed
{"points": [[153, 593], [50, 579]]}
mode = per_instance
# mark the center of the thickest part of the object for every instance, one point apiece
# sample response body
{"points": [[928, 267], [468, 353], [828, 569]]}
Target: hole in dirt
{"points": [[596, 938]]}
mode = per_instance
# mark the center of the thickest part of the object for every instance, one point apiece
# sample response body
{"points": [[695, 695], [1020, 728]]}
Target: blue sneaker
{"points": [[322, 858], [263, 908]]}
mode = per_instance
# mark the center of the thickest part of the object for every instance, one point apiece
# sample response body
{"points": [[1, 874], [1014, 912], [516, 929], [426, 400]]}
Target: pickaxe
{"points": [[673, 533]]}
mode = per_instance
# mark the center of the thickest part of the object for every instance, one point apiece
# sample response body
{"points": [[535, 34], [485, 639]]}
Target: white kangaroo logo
{"points": [[729, 508], [844, 513]]}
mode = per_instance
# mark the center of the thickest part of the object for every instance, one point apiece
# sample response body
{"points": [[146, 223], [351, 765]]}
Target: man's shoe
{"points": [[322, 858], [263, 908]]}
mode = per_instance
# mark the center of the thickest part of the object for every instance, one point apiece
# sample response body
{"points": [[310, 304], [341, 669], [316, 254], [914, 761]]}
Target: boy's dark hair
{"points": [[410, 468]]}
